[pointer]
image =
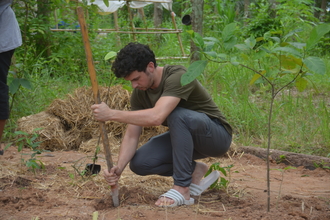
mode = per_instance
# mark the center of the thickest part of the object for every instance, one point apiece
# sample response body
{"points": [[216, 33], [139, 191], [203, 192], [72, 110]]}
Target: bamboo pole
{"points": [[115, 16], [153, 31], [131, 20], [179, 38]]}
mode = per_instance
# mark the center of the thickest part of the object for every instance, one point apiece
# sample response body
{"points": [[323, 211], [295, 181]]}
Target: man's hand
{"points": [[101, 112], [113, 176]]}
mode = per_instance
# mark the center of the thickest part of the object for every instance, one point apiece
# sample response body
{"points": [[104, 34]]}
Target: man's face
{"points": [[141, 80]]}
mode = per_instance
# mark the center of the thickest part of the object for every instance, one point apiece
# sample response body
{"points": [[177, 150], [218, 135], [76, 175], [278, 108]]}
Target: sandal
{"points": [[196, 190], [177, 198]]}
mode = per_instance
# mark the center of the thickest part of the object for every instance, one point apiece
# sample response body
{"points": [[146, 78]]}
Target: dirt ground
{"points": [[58, 192]]}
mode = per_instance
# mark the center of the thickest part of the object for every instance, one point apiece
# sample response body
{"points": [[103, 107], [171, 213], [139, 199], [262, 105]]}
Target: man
{"points": [[10, 38], [197, 129]]}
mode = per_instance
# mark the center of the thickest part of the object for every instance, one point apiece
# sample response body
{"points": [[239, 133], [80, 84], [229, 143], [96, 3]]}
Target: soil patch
{"points": [[59, 192]]}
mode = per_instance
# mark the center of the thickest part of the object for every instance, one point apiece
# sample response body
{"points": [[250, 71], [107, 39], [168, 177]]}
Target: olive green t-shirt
{"points": [[193, 95]]}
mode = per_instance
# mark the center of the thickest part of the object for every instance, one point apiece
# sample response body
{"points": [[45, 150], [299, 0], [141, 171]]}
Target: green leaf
{"points": [[212, 39], [230, 43], [222, 56], [301, 84], [110, 55], [20, 148], [250, 42], [211, 54], [288, 50], [21, 132], [245, 57], [8, 145], [222, 170], [317, 33], [33, 164], [228, 32], [33, 138], [291, 33], [242, 47], [37, 129], [256, 77], [198, 40], [193, 71], [289, 167], [276, 39], [25, 83], [208, 46], [190, 32], [106, 2], [258, 39], [288, 62], [234, 61], [265, 49], [14, 86], [297, 45], [315, 64]]}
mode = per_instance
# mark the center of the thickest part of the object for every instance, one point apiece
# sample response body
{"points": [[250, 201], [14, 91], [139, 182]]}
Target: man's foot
{"points": [[199, 172], [165, 201]]}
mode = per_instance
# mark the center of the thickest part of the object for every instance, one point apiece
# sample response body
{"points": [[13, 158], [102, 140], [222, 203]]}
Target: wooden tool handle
{"points": [[97, 99]]}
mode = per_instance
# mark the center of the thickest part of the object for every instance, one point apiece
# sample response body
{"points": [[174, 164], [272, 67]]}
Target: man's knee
{"points": [[137, 166], [178, 114]]}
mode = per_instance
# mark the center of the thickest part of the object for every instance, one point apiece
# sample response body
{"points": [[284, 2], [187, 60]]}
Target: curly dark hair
{"points": [[134, 56]]}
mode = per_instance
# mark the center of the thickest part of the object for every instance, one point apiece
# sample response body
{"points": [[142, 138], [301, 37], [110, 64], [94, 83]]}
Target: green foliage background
{"points": [[301, 119]]}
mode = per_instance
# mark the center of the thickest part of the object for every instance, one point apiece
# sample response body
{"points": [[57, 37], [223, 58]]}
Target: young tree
{"points": [[197, 25], [43, 43], [291, 59], [158, 17]]}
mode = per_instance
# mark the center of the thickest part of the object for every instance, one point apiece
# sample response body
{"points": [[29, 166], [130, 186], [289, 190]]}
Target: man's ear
{"points": [[151, 66]]}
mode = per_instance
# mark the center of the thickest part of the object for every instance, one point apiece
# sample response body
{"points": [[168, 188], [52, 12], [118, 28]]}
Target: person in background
{"points": [[10, 39], [197, 129]]}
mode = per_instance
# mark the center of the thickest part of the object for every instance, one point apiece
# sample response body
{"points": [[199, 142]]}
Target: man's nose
{"points": [[134, 84]]}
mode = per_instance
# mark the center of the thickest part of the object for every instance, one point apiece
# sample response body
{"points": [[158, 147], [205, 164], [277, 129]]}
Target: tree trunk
{"points": [[158, 14], [246, 11], [289, 158], [158, 18], [197, 26], [324, 10], [43, 40]]}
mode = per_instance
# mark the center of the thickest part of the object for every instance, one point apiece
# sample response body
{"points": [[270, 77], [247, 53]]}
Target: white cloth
{"points": [[114, 5]]}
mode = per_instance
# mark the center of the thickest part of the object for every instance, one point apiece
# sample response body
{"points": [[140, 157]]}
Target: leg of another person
{"points": [[5, 61]]}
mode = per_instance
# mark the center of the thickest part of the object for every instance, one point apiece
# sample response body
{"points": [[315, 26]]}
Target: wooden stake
{"points": [[92, 74]]}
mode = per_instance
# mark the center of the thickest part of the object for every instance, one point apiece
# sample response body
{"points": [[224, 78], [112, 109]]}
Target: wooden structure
{"points": [[132, 29]]}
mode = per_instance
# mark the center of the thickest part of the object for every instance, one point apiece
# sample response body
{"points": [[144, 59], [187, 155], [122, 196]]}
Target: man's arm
{"points": [[128, 145], [148, 117], [127, 151]]}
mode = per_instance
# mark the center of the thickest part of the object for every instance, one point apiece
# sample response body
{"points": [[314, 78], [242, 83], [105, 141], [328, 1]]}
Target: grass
{"points": [[301, 119]]}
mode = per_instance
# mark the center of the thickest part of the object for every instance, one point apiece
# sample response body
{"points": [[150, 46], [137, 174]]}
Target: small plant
{"points": [[281, 159], [221, 183], [280, 190], [29, 140], [321, 165]]}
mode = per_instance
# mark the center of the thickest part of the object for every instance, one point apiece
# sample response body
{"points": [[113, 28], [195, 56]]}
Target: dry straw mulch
{"points": [[68, 124]]}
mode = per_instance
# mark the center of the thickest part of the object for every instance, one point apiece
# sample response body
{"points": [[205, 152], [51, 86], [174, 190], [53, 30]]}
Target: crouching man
{"points": [[197, 129]]}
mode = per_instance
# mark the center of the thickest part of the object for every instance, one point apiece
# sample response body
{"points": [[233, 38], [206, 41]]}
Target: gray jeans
{"points": [[192, 135]]}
